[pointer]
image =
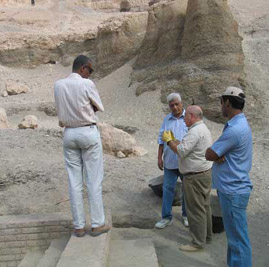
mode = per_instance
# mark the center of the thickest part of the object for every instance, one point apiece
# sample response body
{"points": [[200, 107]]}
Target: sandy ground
{"points": [[32, 167], [33, 178]]}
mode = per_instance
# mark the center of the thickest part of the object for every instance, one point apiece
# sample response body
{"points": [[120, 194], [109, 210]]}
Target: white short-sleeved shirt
{"points": [[191, 151], [75, 97]]}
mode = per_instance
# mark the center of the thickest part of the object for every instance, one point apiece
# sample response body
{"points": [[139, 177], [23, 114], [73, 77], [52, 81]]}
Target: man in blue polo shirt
{"points": [[168, 160], [232, 156]]}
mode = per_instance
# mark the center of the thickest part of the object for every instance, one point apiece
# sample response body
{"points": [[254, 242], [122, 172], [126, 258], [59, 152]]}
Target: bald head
{"points": [[196, 111], [193, 114]]}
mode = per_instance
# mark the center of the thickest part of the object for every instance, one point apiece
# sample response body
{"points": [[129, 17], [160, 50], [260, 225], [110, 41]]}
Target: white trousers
{"points": [[84, 158]]}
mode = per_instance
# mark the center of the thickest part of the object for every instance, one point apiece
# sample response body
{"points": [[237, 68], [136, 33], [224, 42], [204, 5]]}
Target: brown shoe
{"points": [[100, 230], [79, 232]]}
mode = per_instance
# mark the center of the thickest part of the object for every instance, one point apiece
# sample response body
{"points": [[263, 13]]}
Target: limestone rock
{"points": [[120, 155], [116, 141], [139, 151], [3, 119], [119, 39], [4, 94], [29, 122], [48, 108], [15, 88]]}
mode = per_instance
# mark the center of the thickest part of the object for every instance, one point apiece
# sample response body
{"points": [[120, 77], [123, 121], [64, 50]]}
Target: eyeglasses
{"points": [[91, 70]]}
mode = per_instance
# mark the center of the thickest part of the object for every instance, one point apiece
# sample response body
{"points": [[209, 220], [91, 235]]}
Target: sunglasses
{"points": [[91, 70]]}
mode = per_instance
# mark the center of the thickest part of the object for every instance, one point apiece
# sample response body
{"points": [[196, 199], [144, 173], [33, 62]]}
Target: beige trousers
{"points": [[197, 189]]}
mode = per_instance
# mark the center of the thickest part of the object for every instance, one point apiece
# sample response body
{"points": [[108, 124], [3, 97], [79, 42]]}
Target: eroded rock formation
{"points": [[119, 40], [207, 53]]}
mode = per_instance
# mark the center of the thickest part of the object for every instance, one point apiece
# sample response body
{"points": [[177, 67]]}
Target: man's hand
{"points": [[220, 160], [168, 136], [160, 164], [95, 109]]}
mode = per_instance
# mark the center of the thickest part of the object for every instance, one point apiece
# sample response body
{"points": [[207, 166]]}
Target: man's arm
{"points": [[173, 145], [212, 156], [61, 124], [160, 157], [94, 97]]}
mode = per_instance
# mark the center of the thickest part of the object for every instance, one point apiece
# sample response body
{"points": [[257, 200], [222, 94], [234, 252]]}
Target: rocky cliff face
{"points": [[119, 40], [188, 46], [207, 53], [165, 27]]}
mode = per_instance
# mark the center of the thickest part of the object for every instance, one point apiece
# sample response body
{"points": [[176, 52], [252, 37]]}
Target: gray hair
{"points": [[173, 96]]}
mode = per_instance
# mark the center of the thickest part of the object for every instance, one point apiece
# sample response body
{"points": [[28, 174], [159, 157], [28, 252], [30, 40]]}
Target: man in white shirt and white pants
{"points": [[77, 101], [196, 171]]}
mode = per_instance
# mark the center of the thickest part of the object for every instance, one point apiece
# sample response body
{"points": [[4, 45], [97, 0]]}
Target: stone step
{"points": [[87, 251], [54, 252], [132, 253], [31, 258]]}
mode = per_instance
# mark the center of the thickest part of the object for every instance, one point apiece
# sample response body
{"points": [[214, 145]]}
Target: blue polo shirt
{"points": [[235, 143], [179, 129]]}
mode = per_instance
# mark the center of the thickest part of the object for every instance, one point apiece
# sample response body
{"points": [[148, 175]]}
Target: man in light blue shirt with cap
{"points": [[232, 156], [168, 160]]}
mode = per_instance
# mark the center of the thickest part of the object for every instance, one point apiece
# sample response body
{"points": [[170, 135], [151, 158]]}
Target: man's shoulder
{"points": [[87, 82], [62, 81], [168, 116], [67, 80], [239, 127]]}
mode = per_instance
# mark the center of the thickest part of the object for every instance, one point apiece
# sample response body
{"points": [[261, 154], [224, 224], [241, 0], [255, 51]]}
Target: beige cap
{"points": [[234, 91]]}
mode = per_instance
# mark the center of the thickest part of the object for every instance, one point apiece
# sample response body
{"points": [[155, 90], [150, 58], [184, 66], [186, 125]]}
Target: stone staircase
{"points": [[99, 251], [134, 253]]}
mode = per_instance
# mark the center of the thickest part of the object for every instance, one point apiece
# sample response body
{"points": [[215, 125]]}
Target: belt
{"points": [[90, 124], [194, 173]]}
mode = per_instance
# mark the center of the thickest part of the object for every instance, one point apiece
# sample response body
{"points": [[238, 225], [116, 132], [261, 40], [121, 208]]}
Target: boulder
{"points": [[48, 108], [156, 184], [3, 119], [118, 142], [29, 122], [120, 155], [15, 88], [4, 94]]}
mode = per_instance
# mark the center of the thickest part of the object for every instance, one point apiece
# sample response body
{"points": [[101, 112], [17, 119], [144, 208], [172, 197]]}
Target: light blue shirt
{"points": [[235, 143], [179, 129]]}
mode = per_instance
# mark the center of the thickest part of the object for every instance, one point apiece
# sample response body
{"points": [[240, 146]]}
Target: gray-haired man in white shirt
{"points": [[196, 171], [77, 101]]}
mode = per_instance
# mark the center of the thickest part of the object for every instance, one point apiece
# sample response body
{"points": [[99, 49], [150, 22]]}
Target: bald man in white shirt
{"points": [[77, 101], [197, 176]]}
